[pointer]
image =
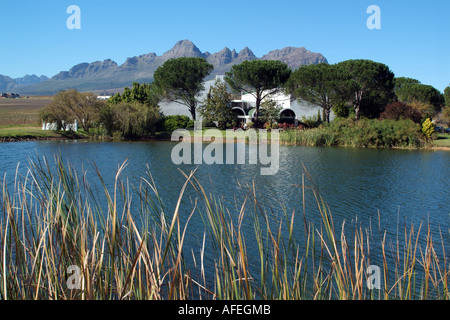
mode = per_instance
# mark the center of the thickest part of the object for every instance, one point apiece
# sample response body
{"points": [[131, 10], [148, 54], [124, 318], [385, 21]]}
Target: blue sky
{"points": [[413, 40]]}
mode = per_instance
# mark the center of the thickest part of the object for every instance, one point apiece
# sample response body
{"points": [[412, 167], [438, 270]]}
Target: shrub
{"points": [[172, 123], [399, 111], [428, 128], [130, 118], [208, 124], [311, 122], [341, 110], [286, 126]]}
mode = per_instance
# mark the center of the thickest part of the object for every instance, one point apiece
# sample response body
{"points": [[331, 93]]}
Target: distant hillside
{"points": [[8, 84], [107, 74]]}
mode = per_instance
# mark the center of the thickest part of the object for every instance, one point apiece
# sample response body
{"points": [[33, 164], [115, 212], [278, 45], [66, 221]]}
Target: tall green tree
{"points": [[270, 111], [322, 84], [447, 96], [401, 82], [260, 78], [181, 80], [217, 107], [143, 93], [422, 93], [374, 86]]}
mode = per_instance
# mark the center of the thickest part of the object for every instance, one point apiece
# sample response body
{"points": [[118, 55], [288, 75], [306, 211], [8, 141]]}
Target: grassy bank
{"points": [[442, 141], [19, 121], [27, 133], [127, 245]]}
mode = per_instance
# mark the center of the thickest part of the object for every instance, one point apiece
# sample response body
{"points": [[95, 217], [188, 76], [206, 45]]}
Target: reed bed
{"points": [[126, 244], [369, 133]]}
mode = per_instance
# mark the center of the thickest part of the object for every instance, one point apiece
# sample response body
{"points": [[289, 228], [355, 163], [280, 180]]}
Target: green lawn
{"points": [[24, 132], [443, 140]]}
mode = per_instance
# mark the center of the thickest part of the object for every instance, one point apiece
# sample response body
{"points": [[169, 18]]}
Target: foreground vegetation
{"points": [[129, 247]]}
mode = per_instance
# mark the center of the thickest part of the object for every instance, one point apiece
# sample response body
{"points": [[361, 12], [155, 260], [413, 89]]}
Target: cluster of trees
{"points": [[135, 112], [68, 106], [365, 88], [423, 99], [362, 88]]}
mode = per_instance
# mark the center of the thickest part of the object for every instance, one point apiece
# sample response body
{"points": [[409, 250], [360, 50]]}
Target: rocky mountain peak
{"points": [[295, 57], [183, 48], [87, 70], [30, 79], [222, 57], [247, 54]]}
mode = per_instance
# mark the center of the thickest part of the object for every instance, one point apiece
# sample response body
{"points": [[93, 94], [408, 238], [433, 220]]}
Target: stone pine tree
{"points": [[426, 98], [260, 78], [374, 86], [447, 96], [322, 84], [446, 108], [181, 80]]}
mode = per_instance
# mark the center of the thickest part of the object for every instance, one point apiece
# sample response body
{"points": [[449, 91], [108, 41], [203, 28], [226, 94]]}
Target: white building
{"points": [[103, 97], [54, 126], [292, 111]]}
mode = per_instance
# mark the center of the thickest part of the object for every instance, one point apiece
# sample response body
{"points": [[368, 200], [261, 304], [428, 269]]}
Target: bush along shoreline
{"points": [[365, 133]]}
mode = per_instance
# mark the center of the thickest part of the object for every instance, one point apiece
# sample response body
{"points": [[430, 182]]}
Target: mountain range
{"points": [[107, 75], [8, 84]]}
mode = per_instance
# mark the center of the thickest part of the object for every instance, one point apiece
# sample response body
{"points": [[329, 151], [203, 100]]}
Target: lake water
{"points": [[396, 186], [414, 185]]}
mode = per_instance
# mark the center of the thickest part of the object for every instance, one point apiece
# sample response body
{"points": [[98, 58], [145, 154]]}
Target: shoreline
{"points": [[29, 139], [168, 139]]}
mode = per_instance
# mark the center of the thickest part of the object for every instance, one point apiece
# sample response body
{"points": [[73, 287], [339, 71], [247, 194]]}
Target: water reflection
{"points": [[353, 181]]}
